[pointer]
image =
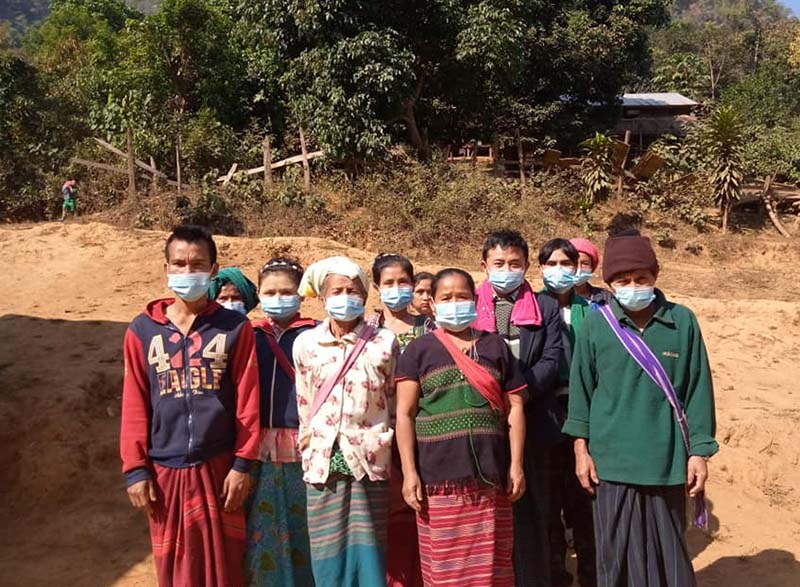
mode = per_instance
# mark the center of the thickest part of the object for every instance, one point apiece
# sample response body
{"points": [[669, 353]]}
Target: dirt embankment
{"points": [[70, 290]]}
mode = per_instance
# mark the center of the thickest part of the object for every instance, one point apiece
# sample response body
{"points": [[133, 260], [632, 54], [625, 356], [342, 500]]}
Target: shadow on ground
{"points": [[65, 515], [768, 568]]}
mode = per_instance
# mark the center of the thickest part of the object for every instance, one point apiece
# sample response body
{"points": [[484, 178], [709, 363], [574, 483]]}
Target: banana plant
{"points": [[596, 168]]}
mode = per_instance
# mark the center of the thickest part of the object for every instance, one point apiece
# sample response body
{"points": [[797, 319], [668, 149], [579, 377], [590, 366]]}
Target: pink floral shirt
{"points": [[359, 410]]}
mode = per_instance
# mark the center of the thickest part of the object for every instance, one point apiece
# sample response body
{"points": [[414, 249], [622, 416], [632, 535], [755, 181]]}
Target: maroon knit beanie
{"points": [[627, 253]]}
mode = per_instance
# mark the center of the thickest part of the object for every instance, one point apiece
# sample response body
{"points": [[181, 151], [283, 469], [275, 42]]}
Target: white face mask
{"points": [[235, 305]]}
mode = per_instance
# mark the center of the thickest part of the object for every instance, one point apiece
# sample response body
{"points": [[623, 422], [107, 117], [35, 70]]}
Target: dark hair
{"points": [[450, 272], [192, 234], [422, 276], [385, 260], [286, 265], [558, 244], [505, 239]]}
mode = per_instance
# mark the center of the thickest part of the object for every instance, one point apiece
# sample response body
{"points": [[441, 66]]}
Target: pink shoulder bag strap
{"points": [[327, 387]]}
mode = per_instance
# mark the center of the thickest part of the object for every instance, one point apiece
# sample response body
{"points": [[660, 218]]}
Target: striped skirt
{"points": [[639, 532], [347, 522], [278, 552], [194, 541], [466, 539]]}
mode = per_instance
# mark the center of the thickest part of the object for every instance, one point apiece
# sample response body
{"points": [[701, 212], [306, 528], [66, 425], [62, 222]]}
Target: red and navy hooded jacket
{"points": [[186, 399], [278, 394]]}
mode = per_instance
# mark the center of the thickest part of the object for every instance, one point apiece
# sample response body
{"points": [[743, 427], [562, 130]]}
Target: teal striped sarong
{"points": [[347, 522]]}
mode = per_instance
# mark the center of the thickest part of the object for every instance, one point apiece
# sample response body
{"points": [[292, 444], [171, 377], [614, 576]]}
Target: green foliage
{"points": [[596, 169], [208, 143], [774, 151], [723, 138], [682, 72], [770, 96], [346, 91]]}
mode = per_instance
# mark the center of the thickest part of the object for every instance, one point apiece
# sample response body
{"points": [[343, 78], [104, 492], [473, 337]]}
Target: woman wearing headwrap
{"points": [[232, 290], [345, 396], [588, 262]]}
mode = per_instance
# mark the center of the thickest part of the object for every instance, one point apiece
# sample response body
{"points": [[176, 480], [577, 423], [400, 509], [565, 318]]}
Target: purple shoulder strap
{"points": [[650, 364]]}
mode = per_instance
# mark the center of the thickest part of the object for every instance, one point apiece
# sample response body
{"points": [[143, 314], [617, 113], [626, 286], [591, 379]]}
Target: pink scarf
{"points": [[525, 313]]}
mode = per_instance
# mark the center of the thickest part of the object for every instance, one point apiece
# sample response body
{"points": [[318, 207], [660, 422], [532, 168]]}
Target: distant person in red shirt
{"points": [[190, 421]]}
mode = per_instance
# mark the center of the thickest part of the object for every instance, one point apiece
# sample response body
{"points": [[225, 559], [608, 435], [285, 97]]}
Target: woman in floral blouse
{"points": [[345, 393]]}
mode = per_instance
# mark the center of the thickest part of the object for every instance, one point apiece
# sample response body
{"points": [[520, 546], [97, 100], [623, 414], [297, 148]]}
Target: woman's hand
{"points": [[696, 475], [412, 491], [516, 482], [304, 441], [584, 466]]}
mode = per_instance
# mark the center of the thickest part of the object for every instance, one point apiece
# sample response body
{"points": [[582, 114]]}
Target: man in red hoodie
{"points": [[190, 421]]}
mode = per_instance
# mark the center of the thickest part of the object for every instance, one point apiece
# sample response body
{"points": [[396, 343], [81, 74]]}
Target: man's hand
{"points": [[696, 475], [584, 466], [516, 483], [142, 495], [412, 491], [235, 490]]}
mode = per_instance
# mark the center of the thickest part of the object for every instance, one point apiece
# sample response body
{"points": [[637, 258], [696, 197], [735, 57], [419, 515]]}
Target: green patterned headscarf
{"points": [[234, 276]]}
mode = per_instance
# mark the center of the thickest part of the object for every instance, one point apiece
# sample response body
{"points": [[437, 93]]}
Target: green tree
{"points": [[722, 136]]}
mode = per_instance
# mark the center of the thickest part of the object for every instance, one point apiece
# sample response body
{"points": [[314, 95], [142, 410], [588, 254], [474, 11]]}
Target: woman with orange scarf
{"points": [[461, 433]]}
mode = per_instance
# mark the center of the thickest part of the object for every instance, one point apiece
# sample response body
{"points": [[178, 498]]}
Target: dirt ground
{"points": [[70, 290]]}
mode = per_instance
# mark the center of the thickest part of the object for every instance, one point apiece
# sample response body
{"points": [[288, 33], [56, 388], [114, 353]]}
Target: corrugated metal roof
{"points": [[656, 99]]}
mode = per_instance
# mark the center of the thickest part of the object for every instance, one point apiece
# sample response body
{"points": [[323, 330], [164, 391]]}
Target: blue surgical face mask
{"points": [[505, 282], [456, 316], [280, 307], [235, 305], [344, 307], [582, 277], [635, 298], [557, 279], [397, 298], [189, 286]]}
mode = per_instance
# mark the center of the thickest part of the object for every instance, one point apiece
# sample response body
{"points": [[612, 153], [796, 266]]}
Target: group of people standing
{"points": [[458, 435]]}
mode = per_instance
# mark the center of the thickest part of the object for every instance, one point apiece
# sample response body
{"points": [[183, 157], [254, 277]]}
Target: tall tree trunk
{"points": [[131, 164], [306, 166], [414, 135], [726, 210], [267, 164], [498, 164], [178, 162]]}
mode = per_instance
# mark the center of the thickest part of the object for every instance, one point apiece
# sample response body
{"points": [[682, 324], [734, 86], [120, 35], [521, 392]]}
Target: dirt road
{"points": [[69, 291]]}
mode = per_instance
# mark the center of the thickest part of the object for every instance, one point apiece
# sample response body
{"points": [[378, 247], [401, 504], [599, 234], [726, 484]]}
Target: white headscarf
{"points": [[314, 277]]}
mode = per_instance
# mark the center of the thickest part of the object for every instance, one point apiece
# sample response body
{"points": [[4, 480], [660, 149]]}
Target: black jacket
{"points": [[540, 354]]}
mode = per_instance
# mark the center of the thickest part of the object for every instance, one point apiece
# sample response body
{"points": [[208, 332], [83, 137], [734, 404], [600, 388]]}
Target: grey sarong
{"points": [[639, 534]]}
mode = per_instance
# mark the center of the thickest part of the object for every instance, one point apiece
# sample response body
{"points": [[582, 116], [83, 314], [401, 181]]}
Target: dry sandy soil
{"points": [[70, 289]]}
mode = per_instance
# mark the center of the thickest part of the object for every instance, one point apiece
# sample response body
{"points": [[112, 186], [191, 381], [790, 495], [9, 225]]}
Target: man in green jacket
{"points": [[629, 447]]}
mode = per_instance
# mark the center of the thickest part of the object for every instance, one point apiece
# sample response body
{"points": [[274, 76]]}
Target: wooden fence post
{"points": [[131, 166], [153, 165], [267, 164], [621, 178], [306, 166]]}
